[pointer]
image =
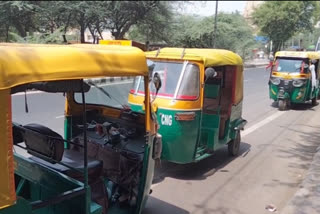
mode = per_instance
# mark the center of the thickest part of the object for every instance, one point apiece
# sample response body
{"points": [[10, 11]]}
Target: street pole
{"points": [[215, 26]]}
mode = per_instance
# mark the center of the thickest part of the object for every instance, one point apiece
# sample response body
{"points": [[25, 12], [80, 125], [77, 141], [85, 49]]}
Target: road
{"points": [[276, 151]]}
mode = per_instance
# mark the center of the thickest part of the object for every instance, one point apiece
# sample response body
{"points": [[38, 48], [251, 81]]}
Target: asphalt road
{"points": [[276, 151]]}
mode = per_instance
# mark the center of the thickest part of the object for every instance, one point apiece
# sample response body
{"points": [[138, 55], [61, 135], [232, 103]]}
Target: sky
{"points": [[207, 8]]}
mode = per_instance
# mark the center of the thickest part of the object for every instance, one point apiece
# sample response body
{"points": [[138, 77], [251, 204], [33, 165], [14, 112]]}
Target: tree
{"points": [[20, 15], [233, 32], [156, 26], [280, 20], [120, 16]]}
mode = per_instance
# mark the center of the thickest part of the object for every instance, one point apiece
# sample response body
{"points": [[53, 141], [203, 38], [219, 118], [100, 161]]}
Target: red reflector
{"points": [[185, 116]]}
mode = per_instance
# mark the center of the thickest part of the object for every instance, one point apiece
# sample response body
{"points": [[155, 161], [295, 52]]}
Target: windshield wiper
{"points": [[108, 95]]}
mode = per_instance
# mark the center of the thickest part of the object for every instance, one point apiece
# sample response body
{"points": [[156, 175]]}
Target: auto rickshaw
{"points": [[105, 161], [199, 105], [294, 78]]}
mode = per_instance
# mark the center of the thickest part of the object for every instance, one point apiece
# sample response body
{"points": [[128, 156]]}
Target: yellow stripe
{"points": [[167, 103], [290, 75]]}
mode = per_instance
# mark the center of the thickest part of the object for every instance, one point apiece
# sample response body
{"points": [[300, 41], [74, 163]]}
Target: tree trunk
{"points": [[7, 32], [20, 30], [82, 38], [64, 38], [92, 33], [67, 24], [82, 28], [98, 30]]}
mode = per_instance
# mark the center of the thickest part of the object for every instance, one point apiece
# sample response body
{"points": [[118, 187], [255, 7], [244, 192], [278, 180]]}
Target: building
{"points": [[250, 7], [248, 10]]}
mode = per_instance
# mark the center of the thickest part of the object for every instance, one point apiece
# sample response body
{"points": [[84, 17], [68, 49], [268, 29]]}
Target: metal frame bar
{"points": [[55, 200], [138, 85], [85, 143], [180, 79]]}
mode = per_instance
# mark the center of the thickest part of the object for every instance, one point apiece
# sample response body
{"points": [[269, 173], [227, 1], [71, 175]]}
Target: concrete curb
{"points": [[307, 199], [110, 79]]}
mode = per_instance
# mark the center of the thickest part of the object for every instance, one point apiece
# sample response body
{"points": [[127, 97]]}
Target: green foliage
{"points": [[233, 33], [155, 26], [280, 20], [122, 15], [20, 15], [46, 17], [39, 38]]}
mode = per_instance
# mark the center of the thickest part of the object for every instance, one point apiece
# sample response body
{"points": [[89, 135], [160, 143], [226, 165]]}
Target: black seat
{"points": [[46, 145], [75, 160]]}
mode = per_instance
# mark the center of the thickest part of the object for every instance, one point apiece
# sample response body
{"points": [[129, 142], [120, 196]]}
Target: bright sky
{"points": [[207, 8]]}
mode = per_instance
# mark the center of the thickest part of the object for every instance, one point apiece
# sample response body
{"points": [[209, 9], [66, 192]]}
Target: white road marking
{"points": [[247, 80], [262, 123], [251, 129], [61, 116]]}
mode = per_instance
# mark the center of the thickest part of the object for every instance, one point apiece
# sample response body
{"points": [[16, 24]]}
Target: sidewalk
{"points": [[307, 199], [256, 63]]}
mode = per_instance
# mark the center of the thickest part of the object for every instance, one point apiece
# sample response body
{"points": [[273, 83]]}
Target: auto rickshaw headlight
{"points": [[298, 83], [275, 81]]}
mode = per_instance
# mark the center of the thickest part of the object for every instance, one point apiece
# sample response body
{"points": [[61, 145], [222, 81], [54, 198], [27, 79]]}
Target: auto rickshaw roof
{"points": [[299, 54], [210, 57], [26, 63]]}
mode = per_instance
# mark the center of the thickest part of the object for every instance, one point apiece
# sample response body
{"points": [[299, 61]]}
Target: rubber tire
{"points": [[234, 145], [314, 101], [282, 105]]}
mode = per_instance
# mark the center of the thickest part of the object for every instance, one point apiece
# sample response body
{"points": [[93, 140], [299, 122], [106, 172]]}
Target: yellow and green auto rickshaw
{"points": [[294, 78], [199, 104], [105, 161]]}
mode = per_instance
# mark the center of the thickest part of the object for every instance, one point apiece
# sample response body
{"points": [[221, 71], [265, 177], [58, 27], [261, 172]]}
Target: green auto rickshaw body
{"points": [[196, 116], [91, 170], [291, 79]]}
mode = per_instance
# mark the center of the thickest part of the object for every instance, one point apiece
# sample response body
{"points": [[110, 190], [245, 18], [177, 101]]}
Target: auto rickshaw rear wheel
{"points": [[282, 105], [314, 101], [234, 145]]}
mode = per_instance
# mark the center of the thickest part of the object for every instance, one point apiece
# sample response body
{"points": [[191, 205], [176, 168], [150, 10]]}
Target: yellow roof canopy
{"points": [[210, 57], [299, 54], [26, 63]]}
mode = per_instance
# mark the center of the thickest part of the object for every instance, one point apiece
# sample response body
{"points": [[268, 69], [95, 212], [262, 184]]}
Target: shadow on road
{"points": [[304, 150], [306, 199], [157, 206], [200, 170], [296, 107]]}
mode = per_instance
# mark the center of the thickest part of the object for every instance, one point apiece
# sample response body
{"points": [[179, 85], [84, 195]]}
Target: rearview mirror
{"points": [[156, 81], [155, 85], [210, 73]]}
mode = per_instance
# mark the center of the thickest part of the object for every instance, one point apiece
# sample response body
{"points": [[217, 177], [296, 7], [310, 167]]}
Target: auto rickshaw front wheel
{"points": [[234, 145], [282, 105]]}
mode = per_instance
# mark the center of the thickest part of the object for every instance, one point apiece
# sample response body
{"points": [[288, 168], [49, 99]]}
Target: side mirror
{"points": [[157, 147], [156, 81], [210, 73], [155, 86]]}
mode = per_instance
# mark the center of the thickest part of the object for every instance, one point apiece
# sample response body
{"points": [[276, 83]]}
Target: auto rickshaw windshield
{"points": [[291, 65], [180, 80], [106, 93]]}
